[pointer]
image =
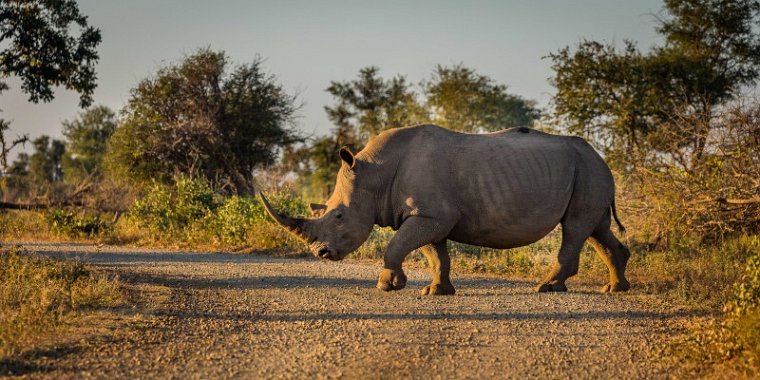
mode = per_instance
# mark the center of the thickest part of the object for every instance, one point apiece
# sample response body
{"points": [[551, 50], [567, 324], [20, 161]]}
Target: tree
{"points": [[460, 99], [370, 104], [41, 49], [608, 96], [7, 146], [315, 163], [636, 104], [202, 118], [45, 161], [714, 48], [86, 138], [20, 166], [363, 108]]}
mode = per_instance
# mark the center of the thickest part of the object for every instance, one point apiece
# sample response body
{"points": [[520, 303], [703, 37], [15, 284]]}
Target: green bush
{"points": [[376, 243], [68, 223], [238, 217], [743, 322], [188, 211], [748, 289], [174, 208], [701, 277]]}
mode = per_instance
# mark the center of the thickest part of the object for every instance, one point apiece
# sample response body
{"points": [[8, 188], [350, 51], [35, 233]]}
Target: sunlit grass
{"points": [[39, 293]]}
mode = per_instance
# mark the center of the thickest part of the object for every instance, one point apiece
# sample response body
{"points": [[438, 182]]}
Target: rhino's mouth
{"points": [[324, 252]]}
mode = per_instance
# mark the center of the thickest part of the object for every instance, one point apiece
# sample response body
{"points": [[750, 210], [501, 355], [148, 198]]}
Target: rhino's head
{"points": [[344, 223]]}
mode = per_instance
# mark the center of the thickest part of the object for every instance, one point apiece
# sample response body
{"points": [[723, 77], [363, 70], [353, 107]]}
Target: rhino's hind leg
{"points": [[564, 267], [614, 254], [440, 266], [574, 234]]}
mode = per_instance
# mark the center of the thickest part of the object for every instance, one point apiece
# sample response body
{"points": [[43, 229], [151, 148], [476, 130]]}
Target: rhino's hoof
{"points": [[543, 288], [438, 289], [391, 279], [616, 287]]}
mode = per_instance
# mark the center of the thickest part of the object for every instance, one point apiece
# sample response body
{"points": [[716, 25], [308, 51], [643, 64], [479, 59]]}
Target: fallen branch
{"points": [[22, 206], [736, 201]]}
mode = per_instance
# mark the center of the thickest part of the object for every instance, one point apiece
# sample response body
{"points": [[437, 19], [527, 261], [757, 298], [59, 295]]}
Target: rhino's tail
{"points": [[617, 220]]}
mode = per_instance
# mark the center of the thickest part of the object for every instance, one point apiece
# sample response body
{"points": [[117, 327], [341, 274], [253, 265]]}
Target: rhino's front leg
{"points": [[415, 232], [440, 266]]}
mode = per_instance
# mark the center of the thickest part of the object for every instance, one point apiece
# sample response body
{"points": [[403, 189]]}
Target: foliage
{"points": [[18, 225], [316, 165], [200, 116], [719, 38], [604, 95], [20, 166], [40, 46], [370, 104], [631, 103], [86, 138], [37, 293], [698, 276], [70, 224], [170, 209], [189, 211], [240, 220], [747, 290], [735, 340], [460, 99]]}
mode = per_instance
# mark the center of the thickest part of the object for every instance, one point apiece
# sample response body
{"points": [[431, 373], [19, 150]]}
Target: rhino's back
{"points": [[506, 189]]}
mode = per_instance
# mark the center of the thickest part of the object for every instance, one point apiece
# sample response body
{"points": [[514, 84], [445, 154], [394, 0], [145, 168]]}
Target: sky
{"points": [[307, 44]]}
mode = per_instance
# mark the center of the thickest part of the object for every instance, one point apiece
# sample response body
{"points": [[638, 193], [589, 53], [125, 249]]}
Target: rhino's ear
{"points": [[347, 156], [317, 209]]}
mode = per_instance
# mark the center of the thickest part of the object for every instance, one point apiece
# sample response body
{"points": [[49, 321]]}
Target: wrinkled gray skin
{"points": [[500, 190]]}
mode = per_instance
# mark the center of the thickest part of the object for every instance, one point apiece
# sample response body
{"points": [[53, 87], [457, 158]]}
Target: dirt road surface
{"points": [[213, 315]]}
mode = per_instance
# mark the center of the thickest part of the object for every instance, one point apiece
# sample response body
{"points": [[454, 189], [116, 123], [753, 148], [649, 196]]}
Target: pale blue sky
{"points": [[306, 44]]}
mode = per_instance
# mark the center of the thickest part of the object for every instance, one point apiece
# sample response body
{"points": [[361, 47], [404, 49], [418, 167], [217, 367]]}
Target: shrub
{"points": [[376, 244], [735, 339], [67, 223], [175, 207], [685, 207], [23, 224], [748, 289], [188, 211], [743, 322], [242, 219]]}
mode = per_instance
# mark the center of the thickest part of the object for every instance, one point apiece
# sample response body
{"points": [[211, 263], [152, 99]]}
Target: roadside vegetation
{"points": [[180, 165], [39, 294]]}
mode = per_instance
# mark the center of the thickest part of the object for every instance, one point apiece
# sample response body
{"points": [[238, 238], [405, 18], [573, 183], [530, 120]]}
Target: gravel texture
{"points": [[214, 315]]}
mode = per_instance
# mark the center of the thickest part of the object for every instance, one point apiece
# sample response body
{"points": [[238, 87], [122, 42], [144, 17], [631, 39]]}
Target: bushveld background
{"points": [[180, 164]]}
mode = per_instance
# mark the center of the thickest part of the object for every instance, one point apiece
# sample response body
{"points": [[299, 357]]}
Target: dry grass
{"points": [[37, 294]]}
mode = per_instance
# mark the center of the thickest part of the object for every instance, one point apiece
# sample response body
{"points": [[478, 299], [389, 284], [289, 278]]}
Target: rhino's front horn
{"points": [[294, 225]]}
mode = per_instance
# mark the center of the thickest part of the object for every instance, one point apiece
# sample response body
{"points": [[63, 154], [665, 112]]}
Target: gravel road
{"points": [[213, 315]]}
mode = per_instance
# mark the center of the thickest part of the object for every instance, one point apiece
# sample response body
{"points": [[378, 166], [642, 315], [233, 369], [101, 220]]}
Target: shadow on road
{"points": [[116, 255], [26, 363], [541, 316], [296, 282]]}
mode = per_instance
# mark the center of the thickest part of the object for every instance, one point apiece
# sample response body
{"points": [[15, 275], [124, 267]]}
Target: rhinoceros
{"points": [[501, 190]]}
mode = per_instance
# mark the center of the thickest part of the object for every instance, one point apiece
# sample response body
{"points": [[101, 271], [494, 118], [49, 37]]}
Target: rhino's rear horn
{"points": [[294, 225]]}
